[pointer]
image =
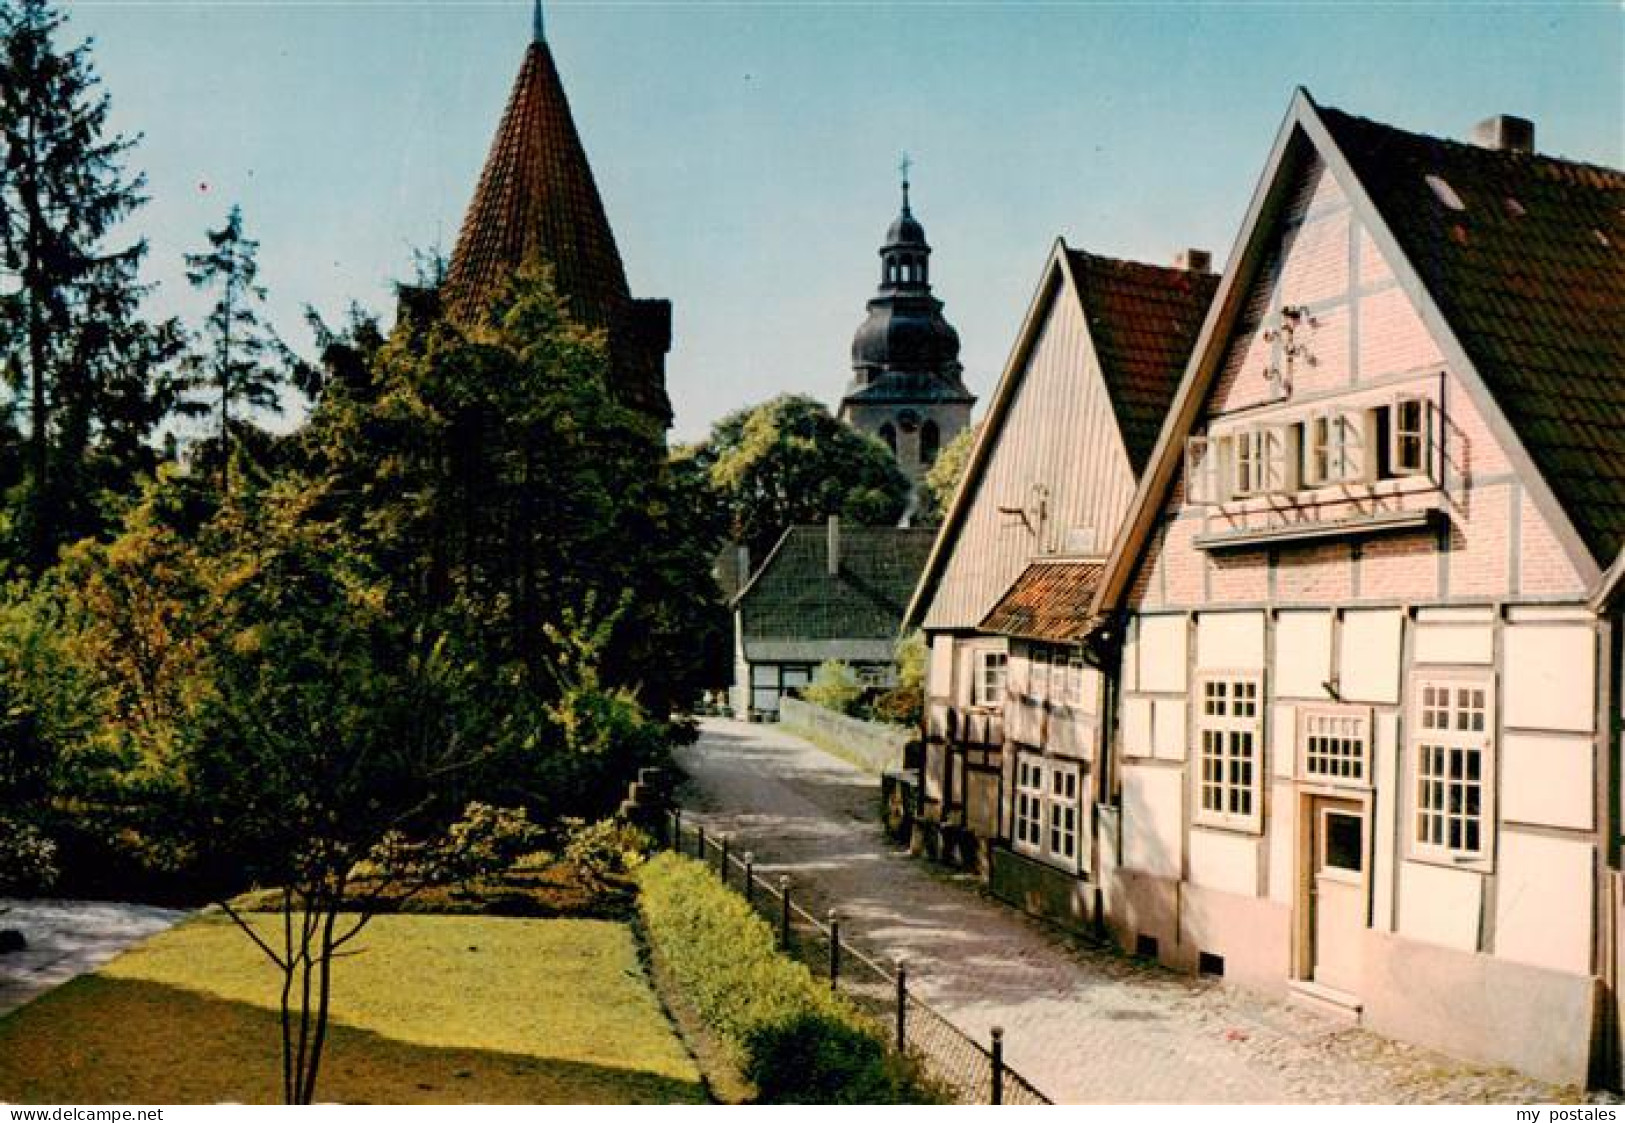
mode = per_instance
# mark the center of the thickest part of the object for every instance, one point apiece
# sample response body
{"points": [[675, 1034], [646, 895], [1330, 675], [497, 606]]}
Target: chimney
{"points": [[1194, 261], [1505, 133], [834, 545], [744, 564]]}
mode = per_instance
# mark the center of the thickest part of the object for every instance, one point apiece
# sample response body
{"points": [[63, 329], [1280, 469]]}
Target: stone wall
{"points": [[869, 745]]}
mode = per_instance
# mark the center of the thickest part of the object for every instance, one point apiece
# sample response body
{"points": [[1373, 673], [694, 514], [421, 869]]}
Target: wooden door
{"points": [[1337, 890]]}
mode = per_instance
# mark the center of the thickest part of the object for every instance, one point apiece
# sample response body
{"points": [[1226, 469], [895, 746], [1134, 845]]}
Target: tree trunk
{"points": [[225, 395]]}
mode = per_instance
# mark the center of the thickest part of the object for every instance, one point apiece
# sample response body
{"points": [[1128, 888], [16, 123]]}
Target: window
{"points": [[1451, 738], [1204, 478], [889, 435], [1249, 458], [1038, 675], [1335, 449], [1319, 449], [1047, 809], [1073, 693], [1334, 745], [1264, 460], [1229, 751], [1342, 841], [1410, 437], [989, 686], [1062, 806], [1029, 803], [930, 442]]}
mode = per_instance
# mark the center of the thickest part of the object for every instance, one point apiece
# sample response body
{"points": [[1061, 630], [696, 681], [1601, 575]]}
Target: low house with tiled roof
{"points": [[1370, 660], [538, 203], [834, 592], [1013, 713]]}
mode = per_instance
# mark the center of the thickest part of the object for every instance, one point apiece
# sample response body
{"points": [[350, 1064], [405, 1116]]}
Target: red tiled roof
{"points": [[537, 200], [1049, 602], [1530, 276], [1144, 320]]}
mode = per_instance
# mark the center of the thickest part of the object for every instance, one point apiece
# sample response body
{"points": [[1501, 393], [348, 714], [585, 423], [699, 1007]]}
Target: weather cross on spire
{"points": [[903, 166]]}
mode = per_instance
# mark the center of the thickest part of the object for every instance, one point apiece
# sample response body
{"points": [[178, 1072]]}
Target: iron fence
{"points": [[973, 1072]]}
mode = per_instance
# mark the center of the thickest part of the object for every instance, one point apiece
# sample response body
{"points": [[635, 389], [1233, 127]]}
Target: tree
{"points": [[497, 478], [942, 479], [242, 360], [789, 461], [334, 734], [70, 342]]}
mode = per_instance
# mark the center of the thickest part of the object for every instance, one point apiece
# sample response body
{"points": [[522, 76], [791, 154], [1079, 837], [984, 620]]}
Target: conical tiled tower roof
{"points": [[537, 199]]}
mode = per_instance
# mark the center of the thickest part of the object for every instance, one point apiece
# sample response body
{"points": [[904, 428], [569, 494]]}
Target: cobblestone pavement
{"points": [[1086, 1025], [68, 938]]}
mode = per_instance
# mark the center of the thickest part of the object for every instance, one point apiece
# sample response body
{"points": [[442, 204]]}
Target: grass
{"points": [[435, 1009]]}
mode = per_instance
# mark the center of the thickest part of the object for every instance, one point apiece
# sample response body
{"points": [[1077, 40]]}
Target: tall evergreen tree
{"points": [[242, 362], [70, 339]]}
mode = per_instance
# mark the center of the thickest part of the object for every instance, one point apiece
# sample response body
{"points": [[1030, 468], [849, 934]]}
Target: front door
{"points": [[1337, 890]]}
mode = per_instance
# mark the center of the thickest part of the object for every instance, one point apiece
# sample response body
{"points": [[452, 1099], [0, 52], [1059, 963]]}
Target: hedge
{"points": [[794, 1039]]}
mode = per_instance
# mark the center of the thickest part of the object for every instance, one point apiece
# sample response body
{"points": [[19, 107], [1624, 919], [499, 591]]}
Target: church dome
{"points": [[905, 230], [911, 336], [905, 331]]}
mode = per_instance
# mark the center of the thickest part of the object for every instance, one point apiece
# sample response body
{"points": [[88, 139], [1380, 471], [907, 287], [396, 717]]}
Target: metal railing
{"points": [[974, 1073]]}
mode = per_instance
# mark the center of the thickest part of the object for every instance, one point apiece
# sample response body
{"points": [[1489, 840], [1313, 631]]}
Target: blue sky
{"points": [[747, 152]]}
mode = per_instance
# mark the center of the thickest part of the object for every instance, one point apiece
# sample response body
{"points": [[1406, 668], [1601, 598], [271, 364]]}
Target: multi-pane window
{"points": [[989, 686], [1048, 812], [1410, 436], [1062, 806], [1335, 745], [1334, 449], [1229, 750], [1074, 678], [1038, 674], [1204, 475], [1029, 817], [1451, 737], [1319, 448], [1259, 457]]}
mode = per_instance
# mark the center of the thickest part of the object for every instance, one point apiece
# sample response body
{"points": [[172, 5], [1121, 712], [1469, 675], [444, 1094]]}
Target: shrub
{"points": [[793, 1038], [834, 686], [27, 858], [605, 849]]}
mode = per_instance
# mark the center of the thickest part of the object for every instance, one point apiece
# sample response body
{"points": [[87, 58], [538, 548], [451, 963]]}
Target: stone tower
{"points": [[906, 387], [537, 201]]}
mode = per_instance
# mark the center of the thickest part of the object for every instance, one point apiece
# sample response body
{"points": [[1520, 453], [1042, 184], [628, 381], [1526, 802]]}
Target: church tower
{"points": [[906, 387], [537, 201]]}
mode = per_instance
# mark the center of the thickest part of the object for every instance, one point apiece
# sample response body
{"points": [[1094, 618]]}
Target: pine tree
{"points": [[242, 361], [70, 339]]}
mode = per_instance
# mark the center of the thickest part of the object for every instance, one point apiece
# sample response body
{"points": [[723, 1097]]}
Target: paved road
{"points": [[68, 938], [1084, 1024]]}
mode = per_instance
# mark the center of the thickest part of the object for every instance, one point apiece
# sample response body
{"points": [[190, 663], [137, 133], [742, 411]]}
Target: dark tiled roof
{"points": [[1530, 276], [794, 597], [1144, 321], [537, 201], [1049, 601]]}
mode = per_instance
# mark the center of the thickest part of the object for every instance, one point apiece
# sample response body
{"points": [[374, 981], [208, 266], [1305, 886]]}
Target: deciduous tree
{"points": [[789, 461]]}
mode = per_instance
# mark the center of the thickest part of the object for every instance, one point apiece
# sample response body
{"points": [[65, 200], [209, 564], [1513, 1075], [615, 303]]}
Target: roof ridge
{"points": [[1478, 150], [1106, 259]]}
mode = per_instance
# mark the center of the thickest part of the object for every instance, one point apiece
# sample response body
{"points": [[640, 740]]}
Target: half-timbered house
{"points": [[1369, 667], [1013, 713]]}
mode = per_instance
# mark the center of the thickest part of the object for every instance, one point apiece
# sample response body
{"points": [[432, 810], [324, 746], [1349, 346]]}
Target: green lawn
{"points": [[434, 1009]]}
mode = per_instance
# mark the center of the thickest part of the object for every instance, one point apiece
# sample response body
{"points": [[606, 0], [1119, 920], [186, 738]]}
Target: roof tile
{"points": [[1535, 296]]}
